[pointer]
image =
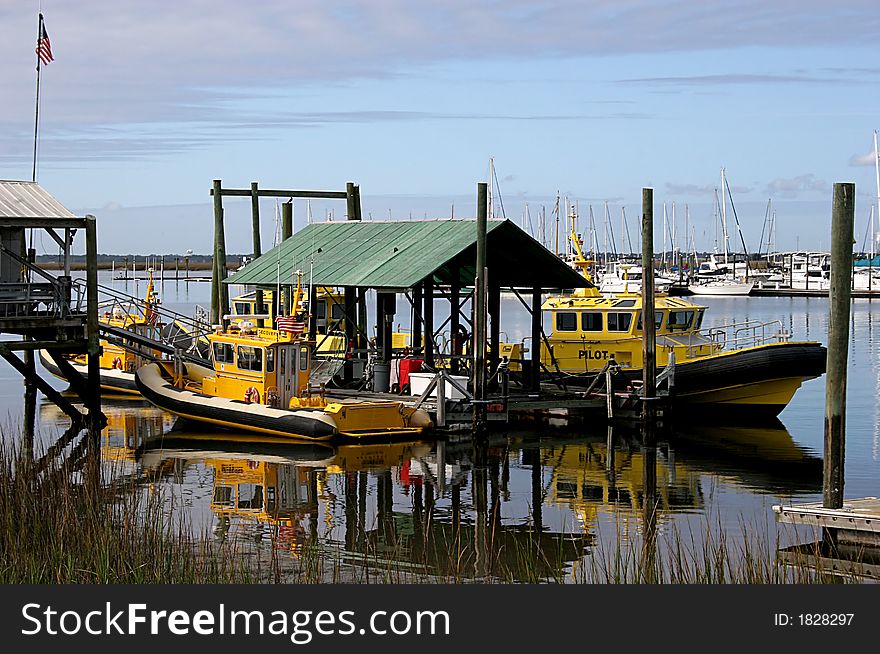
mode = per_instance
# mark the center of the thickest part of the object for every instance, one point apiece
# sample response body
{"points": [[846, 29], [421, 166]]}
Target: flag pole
{"points": [[37, 108]]}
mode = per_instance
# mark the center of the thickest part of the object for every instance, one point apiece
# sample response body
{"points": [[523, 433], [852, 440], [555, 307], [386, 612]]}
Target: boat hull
{"points": [[315, 424], [114, 380], [748, 384], [721, 288]]}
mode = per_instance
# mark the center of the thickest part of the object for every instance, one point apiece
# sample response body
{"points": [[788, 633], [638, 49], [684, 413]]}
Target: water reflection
{"points": [[521, 506]]}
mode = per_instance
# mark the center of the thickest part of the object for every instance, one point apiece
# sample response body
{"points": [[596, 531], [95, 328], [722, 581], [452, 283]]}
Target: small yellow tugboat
{"points": [[750, 368], [260, 383]]}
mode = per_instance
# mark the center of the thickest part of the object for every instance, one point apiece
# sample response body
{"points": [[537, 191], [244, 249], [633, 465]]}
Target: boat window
{"points": [[223, 353], [242, 308], [271, 507], [679, 320], [658, 320], [270, 359], [283, 360], [619, 322], [223, 495], [250, 358], [304, 359], [337, 311], [699, 320], [591, 321], [321, 309], [566, 321], [625, 303], [250, 496]]}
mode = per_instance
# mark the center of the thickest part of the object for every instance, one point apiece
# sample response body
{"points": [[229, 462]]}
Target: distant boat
{"points": [[722, 287]]}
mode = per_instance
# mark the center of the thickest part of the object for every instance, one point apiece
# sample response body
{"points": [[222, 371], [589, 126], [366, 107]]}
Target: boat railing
{"points": [[750, 333], [734, 336]]}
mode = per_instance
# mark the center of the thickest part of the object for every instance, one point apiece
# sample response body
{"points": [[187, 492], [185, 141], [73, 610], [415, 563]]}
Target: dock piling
{"points": [[649, 336], [480, 309], [839, 298]]}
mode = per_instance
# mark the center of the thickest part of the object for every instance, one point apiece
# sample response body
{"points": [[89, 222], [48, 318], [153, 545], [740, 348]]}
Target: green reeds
{"points": [[60, 524]]}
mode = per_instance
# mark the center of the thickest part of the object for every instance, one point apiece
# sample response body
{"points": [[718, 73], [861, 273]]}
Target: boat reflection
{"points": [[129, 422], [763, 459], [458, 510]]}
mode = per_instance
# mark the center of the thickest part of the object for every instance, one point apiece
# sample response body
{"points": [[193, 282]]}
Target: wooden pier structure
{"points": [[48, 312]]}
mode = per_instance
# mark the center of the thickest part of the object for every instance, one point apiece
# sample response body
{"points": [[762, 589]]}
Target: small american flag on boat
{"points": [[290, 324]]}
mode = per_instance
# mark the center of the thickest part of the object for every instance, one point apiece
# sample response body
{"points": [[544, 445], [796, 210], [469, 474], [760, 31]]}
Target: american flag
{"points": [[44, 48], [290, 324]]}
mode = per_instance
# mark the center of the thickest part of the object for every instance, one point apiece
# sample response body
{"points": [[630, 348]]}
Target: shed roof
{"points": [[24, 200], [401, 254]]}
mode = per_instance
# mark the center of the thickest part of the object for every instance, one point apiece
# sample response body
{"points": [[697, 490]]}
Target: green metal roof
{"points": [[400, 254]]}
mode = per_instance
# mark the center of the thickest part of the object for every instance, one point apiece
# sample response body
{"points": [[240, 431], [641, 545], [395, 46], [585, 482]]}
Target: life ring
{"points": [[117, 364], [252, 395]]}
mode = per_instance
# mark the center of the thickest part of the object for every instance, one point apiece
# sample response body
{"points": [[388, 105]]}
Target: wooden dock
{"points": [[857, 521]]}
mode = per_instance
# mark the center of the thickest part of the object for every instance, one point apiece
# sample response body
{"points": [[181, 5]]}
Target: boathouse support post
{"points": [[360, 325], [535, 369], [349, 299], [649, 364], [480, 284], [386, 308], [428, 313], [258, 247], [494, 310], [840, 294], [458, 343], [416, 320]]}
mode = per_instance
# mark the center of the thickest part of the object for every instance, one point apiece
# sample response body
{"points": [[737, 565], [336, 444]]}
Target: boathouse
{"points": [[424, 261], [46, 311]]}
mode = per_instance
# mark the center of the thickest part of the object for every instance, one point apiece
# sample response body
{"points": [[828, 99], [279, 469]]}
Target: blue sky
{"points": [[147, 102]]}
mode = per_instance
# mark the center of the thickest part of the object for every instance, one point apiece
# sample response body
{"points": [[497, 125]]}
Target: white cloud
{"points": [[862, 159], [793, 186]]}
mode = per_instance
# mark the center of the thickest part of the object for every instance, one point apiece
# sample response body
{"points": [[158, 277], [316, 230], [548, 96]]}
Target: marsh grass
{"points": [[60, 524]]}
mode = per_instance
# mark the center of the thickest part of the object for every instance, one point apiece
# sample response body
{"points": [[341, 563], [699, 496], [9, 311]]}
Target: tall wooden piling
{"points": [[480, 298], [353, 201], [258, 246], [219, 292], [286, 233], [649, 336], [287, 220], [839, 298], [96, 420]]}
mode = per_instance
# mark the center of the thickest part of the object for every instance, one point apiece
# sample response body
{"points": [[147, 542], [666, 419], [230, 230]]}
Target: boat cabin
{"points": [[587, 332], [264, 366], [329, 314]]}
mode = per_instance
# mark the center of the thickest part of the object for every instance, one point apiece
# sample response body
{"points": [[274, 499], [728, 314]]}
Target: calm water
{"points": [[564, 489]]}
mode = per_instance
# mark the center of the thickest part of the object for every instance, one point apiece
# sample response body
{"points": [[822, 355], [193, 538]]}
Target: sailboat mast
{"points": [[724, 216], [877, 174], [674, 242], [665, 227]]}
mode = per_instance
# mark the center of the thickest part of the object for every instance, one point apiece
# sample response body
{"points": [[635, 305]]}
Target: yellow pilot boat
{"points": [[748, 369], [260, 383]]}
